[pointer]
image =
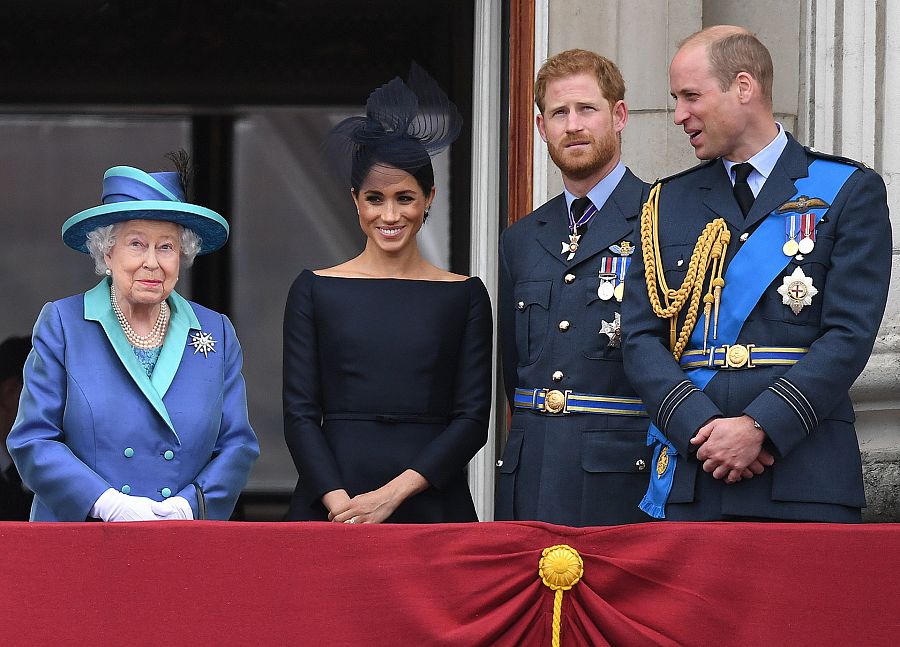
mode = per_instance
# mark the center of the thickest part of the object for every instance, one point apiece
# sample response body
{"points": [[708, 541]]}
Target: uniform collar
{"points": [[763, 162], [602, 190]]}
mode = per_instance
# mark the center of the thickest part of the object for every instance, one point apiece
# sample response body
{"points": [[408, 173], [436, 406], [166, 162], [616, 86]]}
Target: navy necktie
{"points": [[742, 192]]}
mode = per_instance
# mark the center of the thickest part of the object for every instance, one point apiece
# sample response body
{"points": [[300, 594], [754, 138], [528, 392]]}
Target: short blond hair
{"points": [[578, 61]]}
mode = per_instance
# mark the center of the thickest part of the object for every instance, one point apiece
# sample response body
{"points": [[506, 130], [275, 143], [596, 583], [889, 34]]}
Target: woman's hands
{"points": [[377, 505], [116, 506]]}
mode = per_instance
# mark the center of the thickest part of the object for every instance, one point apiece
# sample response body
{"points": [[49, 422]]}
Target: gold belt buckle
{"points": [[738, 356], [555, 401]]}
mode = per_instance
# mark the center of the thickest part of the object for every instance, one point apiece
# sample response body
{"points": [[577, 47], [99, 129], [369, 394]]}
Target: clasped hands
{"points": [[116, 506], [369, 507], [731, 449], [374, 506]]}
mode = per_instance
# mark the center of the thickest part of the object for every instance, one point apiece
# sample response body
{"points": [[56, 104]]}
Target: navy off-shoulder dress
{"points": [[382, 375]]}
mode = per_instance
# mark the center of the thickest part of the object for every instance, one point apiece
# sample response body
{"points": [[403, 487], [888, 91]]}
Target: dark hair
{"points": [[13, 352], [405, 124], [423, 172]]}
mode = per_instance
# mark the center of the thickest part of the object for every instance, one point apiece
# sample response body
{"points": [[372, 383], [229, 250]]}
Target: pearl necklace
{"points": [[152, 339]]}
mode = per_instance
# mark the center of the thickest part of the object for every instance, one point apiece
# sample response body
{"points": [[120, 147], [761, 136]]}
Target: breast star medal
{"points": [[797, 291], [613, 330], [203, 343]]}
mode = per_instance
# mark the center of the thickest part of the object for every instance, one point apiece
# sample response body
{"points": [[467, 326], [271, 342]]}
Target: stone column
{"points": [[850, 108]]}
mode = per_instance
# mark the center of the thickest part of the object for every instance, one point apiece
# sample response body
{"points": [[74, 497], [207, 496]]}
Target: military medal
{"points": [[613, 330], [625, 251], [612, 272], [797, 291], [805, 230], [606, 289], [203, 343], [807, 233], [571, 246], [790, 247]]}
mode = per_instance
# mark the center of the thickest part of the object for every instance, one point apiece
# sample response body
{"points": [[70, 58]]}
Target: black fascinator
{"points": [[405, 125]]}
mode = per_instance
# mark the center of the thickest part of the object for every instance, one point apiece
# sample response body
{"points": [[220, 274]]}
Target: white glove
{"points": [[175, 508], [115, 506]]}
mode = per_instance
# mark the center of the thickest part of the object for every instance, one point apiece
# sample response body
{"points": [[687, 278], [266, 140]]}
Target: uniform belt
{"points": [[741, 356], [555, 401]]}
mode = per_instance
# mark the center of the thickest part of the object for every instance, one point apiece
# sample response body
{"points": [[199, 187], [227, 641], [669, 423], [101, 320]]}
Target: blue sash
{"points": [[749, 274]]}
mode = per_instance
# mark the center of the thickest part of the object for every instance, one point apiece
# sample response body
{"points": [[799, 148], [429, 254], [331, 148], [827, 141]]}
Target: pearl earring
{"points": [[108, 272]]}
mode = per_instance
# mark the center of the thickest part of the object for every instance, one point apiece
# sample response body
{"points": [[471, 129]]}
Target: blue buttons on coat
{"points": [[129, 452], [126, 489], [169, 455], [166, 492]]}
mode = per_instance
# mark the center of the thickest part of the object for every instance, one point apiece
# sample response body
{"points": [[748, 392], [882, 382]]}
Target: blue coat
{"points": [[575, 469], [90, 418], [804, 409]]}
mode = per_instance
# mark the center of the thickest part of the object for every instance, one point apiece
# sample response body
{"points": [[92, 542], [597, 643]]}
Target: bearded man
{"points": [[576, 453]]}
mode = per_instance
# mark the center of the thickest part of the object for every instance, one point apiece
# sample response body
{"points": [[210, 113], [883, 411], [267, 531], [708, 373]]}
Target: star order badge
{"points": [[613, 330], [203, 343], [797, 291]]}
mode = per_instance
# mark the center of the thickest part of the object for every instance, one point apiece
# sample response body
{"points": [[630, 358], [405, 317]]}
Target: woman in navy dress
{"points": [[387, 358]]}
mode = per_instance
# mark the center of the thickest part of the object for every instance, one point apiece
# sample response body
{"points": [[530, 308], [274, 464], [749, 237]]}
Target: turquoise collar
{"points": [[183, 319]]}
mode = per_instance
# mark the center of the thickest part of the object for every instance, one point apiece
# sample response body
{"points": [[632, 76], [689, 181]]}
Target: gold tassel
{"points": [[560, 568], [707, 307]]}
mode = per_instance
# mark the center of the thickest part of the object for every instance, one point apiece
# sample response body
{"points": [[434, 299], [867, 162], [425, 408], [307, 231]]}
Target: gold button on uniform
{"points": [[569, 278], [557, 376], [640, 464], [563, 325]]}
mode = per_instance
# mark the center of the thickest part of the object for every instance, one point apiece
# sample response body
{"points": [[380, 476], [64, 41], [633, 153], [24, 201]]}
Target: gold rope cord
{"points": [[707, 258], [560, 568]]}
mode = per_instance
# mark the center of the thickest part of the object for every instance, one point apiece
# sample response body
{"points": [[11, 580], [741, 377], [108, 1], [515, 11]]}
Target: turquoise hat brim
{"points": [[206, 223]]}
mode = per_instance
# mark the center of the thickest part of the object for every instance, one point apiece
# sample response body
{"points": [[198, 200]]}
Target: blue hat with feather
{"points": [[132, 194]]}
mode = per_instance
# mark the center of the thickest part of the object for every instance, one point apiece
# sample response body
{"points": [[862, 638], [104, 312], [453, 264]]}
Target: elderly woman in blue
{"points": [[134, 406]]}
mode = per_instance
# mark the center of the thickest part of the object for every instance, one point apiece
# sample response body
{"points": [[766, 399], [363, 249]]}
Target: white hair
{"points": [[101, 240]]}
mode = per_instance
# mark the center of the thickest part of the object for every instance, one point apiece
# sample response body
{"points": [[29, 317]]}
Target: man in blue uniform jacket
{"points": [[576, 453], [767, 271]]}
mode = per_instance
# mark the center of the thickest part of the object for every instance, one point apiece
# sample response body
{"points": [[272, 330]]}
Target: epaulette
{"points": [[836, 158], [699, 166]]}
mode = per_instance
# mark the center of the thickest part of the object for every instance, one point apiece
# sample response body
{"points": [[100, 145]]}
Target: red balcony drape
{"points": [[214, 583]]}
